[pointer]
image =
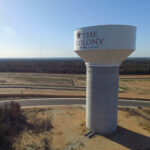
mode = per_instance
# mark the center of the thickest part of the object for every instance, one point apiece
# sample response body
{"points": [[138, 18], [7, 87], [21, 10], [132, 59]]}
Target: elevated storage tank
{"points": [[103, 48]]}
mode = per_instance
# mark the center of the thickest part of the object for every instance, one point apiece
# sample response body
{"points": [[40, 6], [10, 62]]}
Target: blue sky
{"points": [[34, 28]]}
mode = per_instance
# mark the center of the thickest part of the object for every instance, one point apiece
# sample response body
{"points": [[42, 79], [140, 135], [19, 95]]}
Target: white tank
{"points": [[103, 48]]}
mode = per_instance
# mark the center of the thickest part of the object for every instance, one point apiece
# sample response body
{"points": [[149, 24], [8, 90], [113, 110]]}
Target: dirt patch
{"points": [[132, 133], [69, 127]]}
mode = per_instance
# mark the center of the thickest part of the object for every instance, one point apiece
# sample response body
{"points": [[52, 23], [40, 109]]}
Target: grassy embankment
{"points": [[130, 86]]}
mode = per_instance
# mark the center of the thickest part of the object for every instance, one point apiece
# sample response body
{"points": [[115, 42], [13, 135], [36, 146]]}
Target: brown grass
{"points": [[131, 86], [69, 125]]}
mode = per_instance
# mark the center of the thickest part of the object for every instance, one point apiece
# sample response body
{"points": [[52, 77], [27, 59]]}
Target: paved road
{"points": [[43, 87], [130, 79], [134, 103], [72, 101]]}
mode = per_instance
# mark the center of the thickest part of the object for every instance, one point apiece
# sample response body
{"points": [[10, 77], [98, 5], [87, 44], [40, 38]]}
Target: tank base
{"points": [[102, 98]]}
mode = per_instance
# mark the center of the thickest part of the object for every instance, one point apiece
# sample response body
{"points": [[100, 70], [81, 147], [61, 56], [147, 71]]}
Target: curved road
{"points": [[71, 101], [42, 87]]}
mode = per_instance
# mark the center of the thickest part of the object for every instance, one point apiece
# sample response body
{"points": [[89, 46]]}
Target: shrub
{"points": [[10, 112], [9, 115]]}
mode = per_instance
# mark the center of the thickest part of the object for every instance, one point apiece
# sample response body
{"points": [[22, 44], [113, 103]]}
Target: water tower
{"points": [[103, 48]]}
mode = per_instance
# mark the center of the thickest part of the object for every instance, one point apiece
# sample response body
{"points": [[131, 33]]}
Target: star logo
{"points": [[78, 35]]}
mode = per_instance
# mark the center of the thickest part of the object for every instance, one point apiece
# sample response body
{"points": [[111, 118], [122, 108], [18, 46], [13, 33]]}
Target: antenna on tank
{"points": [[40, 51]]}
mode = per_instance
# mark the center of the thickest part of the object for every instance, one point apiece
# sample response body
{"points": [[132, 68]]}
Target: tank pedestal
{"points": [[102, 98]]}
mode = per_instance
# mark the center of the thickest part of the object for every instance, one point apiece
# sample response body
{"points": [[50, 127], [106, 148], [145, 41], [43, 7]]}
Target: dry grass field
{"points": [[135, 88], [69, 80], [68, 129], [66, 124], [130, 86]]}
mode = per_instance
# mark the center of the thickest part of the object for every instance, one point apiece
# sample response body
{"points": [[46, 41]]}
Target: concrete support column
{"points": [[102, 98]]}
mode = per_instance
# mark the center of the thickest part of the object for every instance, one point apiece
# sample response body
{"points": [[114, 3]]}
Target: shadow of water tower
{"points": [[103, 48]]}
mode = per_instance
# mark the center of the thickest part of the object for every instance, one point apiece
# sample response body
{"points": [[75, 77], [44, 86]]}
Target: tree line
{"points": [[70, 66]]}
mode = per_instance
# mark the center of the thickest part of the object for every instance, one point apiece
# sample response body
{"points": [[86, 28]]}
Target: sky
{"points": [[44, 28]]}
